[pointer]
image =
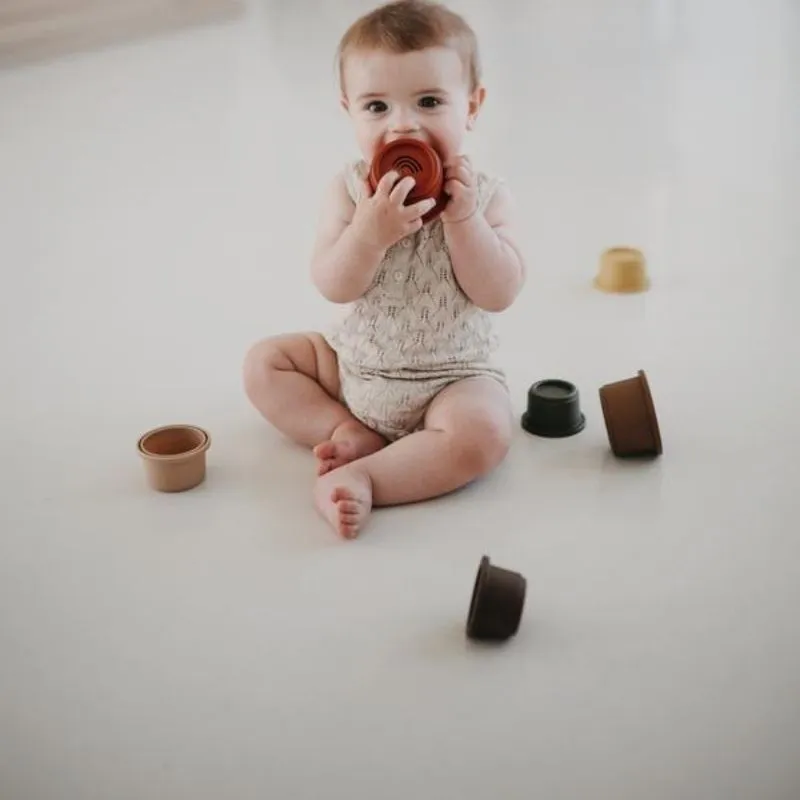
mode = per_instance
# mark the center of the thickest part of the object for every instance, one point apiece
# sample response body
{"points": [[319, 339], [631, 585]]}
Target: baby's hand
{"points": [[461, 186], [381, 219]]}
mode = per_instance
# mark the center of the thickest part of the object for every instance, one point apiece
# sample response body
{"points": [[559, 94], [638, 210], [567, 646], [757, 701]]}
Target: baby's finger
{"points": [[454, 188], [416, 210], [413, 225], [459, 166], [401, 190], [463, 162], [386, 183], [463, 179], [457, 161]]}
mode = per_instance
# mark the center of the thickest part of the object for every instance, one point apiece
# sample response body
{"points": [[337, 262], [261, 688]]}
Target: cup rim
{"points": [[561, 382], [204, 444], [624, 249], [480, 580], [651, 410]]}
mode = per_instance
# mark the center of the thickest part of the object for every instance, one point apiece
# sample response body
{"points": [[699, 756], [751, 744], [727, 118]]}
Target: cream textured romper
{"points": [[413, 332]]}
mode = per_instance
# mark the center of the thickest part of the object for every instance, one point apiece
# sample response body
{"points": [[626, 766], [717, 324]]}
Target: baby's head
{"points": [[410, 68]]}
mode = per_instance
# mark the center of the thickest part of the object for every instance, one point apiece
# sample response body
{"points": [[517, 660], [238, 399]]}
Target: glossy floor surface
{"points": [[157, 203]]}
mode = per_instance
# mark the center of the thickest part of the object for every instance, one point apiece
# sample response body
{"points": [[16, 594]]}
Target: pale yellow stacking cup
{"points": [[622, 270]]}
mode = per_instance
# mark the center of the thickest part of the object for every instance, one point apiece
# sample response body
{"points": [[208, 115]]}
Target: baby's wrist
{"points": [[366, 243], [461, 219]]}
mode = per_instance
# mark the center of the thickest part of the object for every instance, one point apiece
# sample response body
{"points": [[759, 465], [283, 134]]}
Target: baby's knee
{"points": [[483, 442], [261, 362]]}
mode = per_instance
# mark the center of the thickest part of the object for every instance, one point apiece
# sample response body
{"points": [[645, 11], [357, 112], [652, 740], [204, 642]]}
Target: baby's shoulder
{"points": [[353, 174], [337, 200], [488, 183]]}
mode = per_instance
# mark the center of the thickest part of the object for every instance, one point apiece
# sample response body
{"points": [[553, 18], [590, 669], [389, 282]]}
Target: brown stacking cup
{"points": [[622, 270], [498, 598], [174, 457], [413, 157], [630, 417]]}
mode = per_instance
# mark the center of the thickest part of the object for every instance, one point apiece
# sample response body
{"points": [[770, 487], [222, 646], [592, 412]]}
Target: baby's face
{"points": [[424, 94]]}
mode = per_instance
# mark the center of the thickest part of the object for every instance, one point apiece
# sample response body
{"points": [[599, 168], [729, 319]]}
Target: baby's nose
{"points": [[404, 121]]}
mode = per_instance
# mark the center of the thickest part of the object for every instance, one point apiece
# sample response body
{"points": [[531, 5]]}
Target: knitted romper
{"points": [[413, 332]]}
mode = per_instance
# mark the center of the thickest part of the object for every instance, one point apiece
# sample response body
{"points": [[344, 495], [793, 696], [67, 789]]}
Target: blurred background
{"points": [[161, 168]]}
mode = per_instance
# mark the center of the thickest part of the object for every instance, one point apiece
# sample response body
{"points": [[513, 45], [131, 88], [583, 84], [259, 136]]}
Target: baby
{"points": [[401, 400]]}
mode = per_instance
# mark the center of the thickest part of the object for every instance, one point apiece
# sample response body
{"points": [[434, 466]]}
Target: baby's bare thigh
{"points": [[307, 353]]}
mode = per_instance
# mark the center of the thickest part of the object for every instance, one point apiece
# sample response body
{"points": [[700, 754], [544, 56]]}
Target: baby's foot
{"points": [[350, 441], [344, 498]]}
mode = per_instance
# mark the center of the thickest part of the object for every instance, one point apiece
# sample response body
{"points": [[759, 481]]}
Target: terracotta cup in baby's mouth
{"points": [[409, 156]]}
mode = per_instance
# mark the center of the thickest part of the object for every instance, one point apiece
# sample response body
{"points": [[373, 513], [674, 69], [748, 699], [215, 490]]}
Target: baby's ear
{"points": [[475, 104], [343, 103]]}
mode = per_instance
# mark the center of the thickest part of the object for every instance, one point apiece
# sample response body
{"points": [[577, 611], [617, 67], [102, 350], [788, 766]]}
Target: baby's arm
{"points": [[343, 264], [486, 260], [352, 239]]}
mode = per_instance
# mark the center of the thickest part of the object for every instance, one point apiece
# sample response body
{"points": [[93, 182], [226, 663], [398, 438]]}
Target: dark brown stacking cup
{"points": [[630, 417], [498, 598]]}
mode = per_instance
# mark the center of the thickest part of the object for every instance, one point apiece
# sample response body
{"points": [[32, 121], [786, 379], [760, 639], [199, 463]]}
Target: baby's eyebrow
{"points": [[368, 96], [434, 90]]}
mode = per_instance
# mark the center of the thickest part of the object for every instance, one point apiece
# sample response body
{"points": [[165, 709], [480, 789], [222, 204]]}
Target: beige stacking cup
{"points": [[622, 270], [174, 457]]}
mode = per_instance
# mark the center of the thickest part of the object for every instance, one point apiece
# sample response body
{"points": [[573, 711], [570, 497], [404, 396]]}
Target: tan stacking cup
{"points": [[174, 457], [630, 417], [622, 270]]}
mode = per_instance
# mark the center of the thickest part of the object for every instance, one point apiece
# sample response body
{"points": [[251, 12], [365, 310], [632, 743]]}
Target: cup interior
{"points": [[555, 389], [173, 441], [410, 157]]}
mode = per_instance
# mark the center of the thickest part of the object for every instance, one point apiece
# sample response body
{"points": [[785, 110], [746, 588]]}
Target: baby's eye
{"points": [[429, 101], [376, 107]]}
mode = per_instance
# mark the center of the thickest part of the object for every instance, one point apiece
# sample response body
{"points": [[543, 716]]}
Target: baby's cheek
{"points": [[450, 144], [447, 152], [369, 148]]}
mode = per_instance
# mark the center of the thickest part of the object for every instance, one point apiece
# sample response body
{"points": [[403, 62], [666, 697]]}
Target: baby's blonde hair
{"points": [[404, 26]]}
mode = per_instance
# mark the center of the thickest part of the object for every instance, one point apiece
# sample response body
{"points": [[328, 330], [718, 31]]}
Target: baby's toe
{"points": [[322, 450], [341, 494]]}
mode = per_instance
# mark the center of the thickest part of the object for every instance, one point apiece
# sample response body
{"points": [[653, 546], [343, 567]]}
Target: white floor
{"points": [[157, 202]]}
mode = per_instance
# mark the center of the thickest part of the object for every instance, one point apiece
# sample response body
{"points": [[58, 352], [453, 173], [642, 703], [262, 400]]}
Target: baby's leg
{"points": [[467, 434], [293, 380]]}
